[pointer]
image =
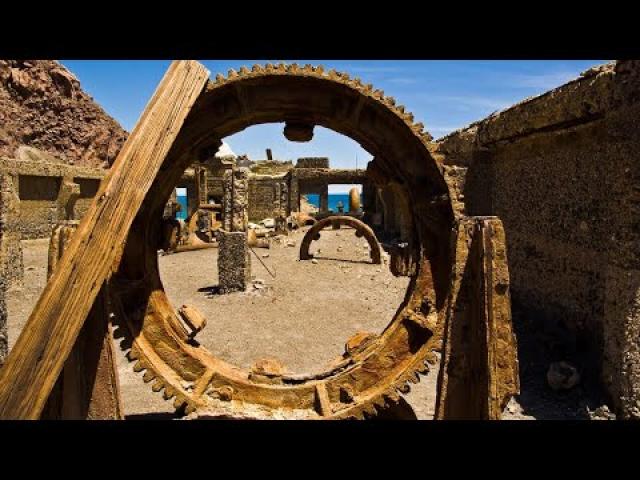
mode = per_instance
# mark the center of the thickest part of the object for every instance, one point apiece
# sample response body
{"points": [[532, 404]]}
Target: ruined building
{"points": [[560, 170]]}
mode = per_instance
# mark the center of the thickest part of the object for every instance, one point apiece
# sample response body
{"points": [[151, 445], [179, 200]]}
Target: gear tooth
{"points": [[358, 414], [126, 344], [281, 67], [392, 397], [138, 367], [148, 376], [244, 70], [178, 402], [158, 385], [256, 68], [409, 117], [269, 67], [232, 73], [118, 332], [368, 88], [319, 70], [169, 392], [308, 68], [370, 409], [378, 94], [404, 388], [400, 108], [189, 409], [390, 101], [219, 78], [132, 355], [415, 378], [380, 402]]}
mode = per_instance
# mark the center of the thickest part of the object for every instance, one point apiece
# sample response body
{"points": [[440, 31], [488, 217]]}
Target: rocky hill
{"points": [[43, 106]]}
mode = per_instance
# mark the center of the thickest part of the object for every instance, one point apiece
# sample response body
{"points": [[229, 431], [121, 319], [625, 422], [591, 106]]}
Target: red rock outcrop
{"points": [[43, 106]]}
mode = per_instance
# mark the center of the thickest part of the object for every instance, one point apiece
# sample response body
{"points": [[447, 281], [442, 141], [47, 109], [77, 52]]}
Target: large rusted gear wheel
{"points": [[378, 369]]}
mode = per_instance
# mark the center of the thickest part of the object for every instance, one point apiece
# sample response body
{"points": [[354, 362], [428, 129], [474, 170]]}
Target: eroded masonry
{"points": [[532, 208]]}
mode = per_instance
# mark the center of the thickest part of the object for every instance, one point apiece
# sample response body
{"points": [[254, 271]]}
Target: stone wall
{"points": [[5, 256], [11, 263], [562, 172], [268, 196], [37, 184], [313, 162]]}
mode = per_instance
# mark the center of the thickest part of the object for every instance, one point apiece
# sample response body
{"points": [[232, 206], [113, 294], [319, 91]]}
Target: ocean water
{"points": [[314, 198], [182, 200], [334, 199]]}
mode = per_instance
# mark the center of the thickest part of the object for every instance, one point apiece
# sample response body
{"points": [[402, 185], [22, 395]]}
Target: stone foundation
{"points": [[234, 262]]}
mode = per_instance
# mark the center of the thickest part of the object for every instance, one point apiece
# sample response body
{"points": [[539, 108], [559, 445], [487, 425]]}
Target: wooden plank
{"points": [[88, 387], [479, 369], [37, 359]]}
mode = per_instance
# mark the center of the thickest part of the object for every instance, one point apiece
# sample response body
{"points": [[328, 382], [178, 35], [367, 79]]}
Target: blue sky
{"points": [[443, 95]]}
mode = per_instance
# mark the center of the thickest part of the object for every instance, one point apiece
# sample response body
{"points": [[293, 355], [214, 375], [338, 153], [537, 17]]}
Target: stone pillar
{"points": [[227, 199], [240, 214], [11, 260], [234, 262], [276, 199], [284, 199], [324, 199], [294, 194]]}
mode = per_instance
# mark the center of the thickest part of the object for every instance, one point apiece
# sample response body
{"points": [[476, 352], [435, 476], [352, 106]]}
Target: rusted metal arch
{"points": [[180, 121], [362, 230], [364, 381]]}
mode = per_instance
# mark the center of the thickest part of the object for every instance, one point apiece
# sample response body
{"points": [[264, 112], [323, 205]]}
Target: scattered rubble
{"points": [[562, 376]]}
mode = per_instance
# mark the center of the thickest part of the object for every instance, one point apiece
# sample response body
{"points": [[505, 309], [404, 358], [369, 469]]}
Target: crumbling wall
{"points": [[313, 162], [562, 172], [37, 181], [268, 196], [4, 259], [42, 105]]}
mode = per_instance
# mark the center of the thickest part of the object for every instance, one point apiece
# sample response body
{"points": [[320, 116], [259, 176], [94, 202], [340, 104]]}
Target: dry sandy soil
{"points": [[302, 317]]}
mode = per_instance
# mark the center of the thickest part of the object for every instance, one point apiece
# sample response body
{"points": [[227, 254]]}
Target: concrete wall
{"points": [[562, 171]]}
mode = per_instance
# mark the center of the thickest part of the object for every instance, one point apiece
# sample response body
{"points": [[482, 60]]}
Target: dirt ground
{"points": [[302, 317]]}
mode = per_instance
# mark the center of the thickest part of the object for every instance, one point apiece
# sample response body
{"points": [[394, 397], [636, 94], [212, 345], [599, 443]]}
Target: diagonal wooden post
{"points": [[36, 360]]}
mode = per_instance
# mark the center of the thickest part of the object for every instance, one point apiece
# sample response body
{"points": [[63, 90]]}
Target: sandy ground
{"points": [[302, 317]]}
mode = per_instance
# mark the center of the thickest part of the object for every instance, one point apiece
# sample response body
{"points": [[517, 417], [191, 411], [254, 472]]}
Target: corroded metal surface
{"points": [[361, 228]]}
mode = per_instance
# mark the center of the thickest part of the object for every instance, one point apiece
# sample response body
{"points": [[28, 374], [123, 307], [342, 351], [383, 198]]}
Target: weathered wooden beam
{"points": [[479, 369], [40, 352], [88, 387]]}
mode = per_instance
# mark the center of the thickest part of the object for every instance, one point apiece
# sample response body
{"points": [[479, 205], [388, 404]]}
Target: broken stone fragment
{"points": [[562, 376], [268, 366]]}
